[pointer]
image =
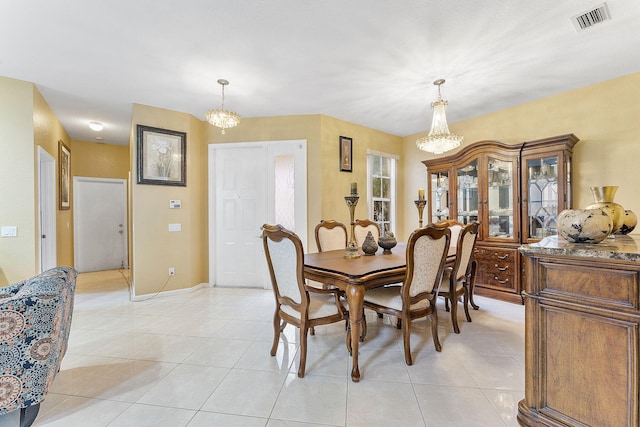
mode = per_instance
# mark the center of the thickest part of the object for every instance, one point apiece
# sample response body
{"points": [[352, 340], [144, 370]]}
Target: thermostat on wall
{"points": [[174, 204]]}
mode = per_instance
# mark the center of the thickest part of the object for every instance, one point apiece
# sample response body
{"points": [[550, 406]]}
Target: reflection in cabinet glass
{"points": [[439, 196], [468, 193], [543, 196], [500, 198]]}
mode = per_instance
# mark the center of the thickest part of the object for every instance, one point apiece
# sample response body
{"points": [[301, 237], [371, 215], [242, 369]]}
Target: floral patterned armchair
{"points": [[35, 319]]}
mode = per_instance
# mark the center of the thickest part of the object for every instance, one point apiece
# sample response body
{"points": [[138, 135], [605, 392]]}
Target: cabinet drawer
{"points": [[496, 255], [497, 268], [601, 286], [506, 282]]}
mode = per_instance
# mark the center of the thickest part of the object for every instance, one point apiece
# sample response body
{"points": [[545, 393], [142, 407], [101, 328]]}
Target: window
{"points": [[381, 186]]}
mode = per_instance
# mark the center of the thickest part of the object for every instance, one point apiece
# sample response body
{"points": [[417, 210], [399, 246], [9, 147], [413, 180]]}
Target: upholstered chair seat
{"points": [[389, 296], [319, 306]]}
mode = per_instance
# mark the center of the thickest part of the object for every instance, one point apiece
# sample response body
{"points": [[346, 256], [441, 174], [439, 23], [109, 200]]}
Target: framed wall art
{"points": [[162, 156], [346, 152], [64, 172]]}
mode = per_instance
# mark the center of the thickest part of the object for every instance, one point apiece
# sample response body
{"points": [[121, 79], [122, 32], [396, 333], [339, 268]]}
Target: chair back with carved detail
{"points": [[364, 226], [454, 226], [330, 235]]}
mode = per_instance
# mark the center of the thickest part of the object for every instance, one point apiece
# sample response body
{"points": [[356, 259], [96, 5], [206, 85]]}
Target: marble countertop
{"points": [[624, 248]]}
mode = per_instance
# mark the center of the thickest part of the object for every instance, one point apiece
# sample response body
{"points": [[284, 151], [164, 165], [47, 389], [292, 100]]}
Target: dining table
{"points": [[354, 276]]}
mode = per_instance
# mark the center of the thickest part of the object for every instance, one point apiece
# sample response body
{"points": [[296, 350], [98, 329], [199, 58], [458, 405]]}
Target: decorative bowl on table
{"points": [[584, 225], [387, 241]]}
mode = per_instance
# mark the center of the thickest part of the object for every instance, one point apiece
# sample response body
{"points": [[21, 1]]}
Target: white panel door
{"points": [[100, 227], [240, 212], [47, 199]]}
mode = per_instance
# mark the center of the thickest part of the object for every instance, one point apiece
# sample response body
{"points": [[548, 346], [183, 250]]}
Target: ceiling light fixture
{"points": [[439, 139], [220, 117], [97, 126]]}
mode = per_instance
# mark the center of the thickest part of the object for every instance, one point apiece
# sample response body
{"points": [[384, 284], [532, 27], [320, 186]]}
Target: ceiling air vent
{"points": [[591, 17]]}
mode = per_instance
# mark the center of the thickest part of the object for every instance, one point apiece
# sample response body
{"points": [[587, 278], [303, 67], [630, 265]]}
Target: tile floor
{"points": [[202, 359]]}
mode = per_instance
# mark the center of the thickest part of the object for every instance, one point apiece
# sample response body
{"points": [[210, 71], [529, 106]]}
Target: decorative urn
{"points": [[369, 246], [387, 241], [603, 199]]}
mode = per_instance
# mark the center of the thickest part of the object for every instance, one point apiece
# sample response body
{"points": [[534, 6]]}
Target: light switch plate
{"points": [[175, 227], [9, 231]]}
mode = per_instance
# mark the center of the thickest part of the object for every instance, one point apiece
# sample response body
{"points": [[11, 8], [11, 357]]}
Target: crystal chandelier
{"points": [[220, 117], [439, 139]]}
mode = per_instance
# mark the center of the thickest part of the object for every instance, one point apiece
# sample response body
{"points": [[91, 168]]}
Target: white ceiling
{"points": [[370, 62]]}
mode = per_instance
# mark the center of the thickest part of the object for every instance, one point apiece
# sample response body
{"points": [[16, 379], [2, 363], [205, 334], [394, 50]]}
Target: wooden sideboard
{"points": [[582, 323]]}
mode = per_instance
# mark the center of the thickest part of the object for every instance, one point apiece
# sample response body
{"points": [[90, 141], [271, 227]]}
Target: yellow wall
{"points": [[26, 122], [605, 116], [97, 160], [17, 174], [47, 132], [154, 248]]}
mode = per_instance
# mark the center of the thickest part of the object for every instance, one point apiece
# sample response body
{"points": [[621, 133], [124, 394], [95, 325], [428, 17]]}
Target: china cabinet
{"points": [[515, 191]]}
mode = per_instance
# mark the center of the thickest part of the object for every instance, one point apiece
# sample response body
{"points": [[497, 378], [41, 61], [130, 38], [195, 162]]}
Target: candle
{"points": [[421, 194], [354, 188]]}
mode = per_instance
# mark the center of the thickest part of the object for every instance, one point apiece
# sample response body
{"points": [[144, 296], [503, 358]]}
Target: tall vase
{"points": [[603, 197]]}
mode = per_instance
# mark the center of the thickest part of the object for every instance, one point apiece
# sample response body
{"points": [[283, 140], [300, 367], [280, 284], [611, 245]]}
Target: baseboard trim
{"points": [[135, 298]]}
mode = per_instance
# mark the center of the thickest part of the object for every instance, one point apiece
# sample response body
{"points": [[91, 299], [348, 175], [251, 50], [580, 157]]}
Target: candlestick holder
{"points": [[352, 247], [420, 204]]}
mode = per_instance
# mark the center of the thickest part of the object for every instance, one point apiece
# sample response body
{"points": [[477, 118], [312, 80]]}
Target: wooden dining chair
{"points": [[458, 280], [454, 226], [362, 227], [331, 235], [426, 253], [301, 306]]}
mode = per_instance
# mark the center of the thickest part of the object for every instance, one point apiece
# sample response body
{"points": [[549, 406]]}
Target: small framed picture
{"points": [[346, 153], [64, 172], [162, 156]]}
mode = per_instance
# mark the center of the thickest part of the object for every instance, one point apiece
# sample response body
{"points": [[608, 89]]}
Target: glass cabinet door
{"points": [[542, 185], [439, 196], [500, 194], [467, 180]]}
